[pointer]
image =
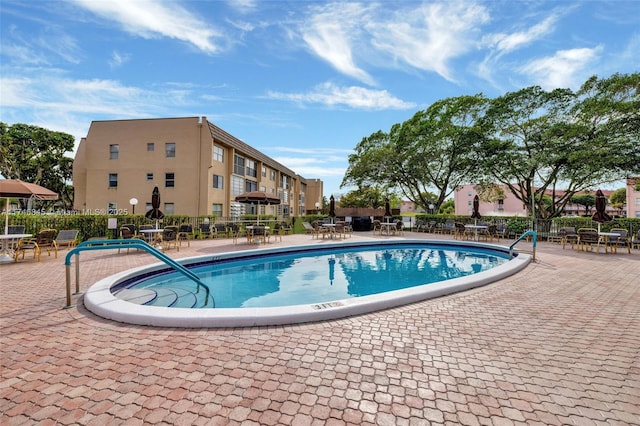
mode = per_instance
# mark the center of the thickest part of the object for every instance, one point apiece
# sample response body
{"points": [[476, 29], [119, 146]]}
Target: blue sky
{"points": [[302, 81]]}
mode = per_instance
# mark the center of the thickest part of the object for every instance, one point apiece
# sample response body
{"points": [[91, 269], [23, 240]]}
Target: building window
{"points": [[218, 154], [151, 146], [251, 168], [168, 208], [112, 208], [264, 172], [637, 201], [237, 185], [500, 205], [218, 182], [284, 181], [113, 180], [170, 149], [238, 165], [216, 210], [114, 151], [250, 185], [169, 180], [149, 176], [272, 175]]}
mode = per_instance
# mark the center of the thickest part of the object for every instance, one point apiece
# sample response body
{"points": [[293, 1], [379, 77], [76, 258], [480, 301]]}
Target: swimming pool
{"points": [[301, 283]]}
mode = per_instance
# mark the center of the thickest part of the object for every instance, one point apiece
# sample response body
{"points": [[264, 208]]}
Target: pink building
{"points": [[509, 206]]}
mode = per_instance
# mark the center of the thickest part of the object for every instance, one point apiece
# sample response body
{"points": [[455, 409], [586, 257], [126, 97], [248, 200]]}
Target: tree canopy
{"points": [[433, 149], [37, 155], [542, 146]]}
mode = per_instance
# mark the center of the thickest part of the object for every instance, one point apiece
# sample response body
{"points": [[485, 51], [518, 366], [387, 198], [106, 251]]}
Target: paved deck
{"points": [[556, 344]]}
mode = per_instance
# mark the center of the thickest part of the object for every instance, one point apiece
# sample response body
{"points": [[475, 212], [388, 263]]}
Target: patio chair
{"points": [[286, 228], [319, 229], [622, 241], [236, 231], [588, 238], [449, 227], [126, 234], [376, 227], [45, 238], [219, 230], [205, 230], [399, 229], [460, 232], [503, 231], [635, 241], [569, 235], [15, 230], [149, 238], [170, 238], [185, 233], [258, 233], [67, 238]]}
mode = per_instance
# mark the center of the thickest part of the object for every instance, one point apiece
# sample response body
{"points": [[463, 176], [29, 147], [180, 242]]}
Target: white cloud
{"points": [[117, 59], [153, 19], [429, 36], [243, 6], [564, 69], [352, 97], [331, 32], [509, 42]]}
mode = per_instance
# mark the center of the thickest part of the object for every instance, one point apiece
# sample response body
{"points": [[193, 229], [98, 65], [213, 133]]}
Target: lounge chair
{"points": [[308, 228], [67, 238], [45, 238]]}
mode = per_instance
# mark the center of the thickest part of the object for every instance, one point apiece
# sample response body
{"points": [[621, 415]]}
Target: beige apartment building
{"points": [[198, 168]]}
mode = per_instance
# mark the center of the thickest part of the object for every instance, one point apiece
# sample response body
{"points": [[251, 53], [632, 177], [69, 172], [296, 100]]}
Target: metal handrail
{"points": [[521, 237], [120, 244]]}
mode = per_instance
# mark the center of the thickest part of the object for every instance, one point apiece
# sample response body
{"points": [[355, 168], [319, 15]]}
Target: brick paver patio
{"points": [[557, 344]]}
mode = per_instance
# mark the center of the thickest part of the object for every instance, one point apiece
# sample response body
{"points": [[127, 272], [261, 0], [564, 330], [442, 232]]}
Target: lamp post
{"points": [[431, 207], [133, 203], [317, 207]]}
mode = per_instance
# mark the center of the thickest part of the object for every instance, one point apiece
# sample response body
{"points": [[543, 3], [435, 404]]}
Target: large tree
{"points": [[561, 142], [37, 155], [433, 149]]}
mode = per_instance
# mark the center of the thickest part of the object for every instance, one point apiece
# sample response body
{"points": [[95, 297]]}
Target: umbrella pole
{"points": [[6, 217]]}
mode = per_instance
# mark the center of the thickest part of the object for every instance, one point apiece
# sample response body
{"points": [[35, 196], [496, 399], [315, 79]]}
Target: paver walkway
{"points": [[556, 344]]}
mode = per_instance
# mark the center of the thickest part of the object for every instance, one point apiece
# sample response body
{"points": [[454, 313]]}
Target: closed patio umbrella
{"points": [[257, 197], [155, 213], [332, 208], [476, 208], [601, 215], [15, 188], [387, 208]]}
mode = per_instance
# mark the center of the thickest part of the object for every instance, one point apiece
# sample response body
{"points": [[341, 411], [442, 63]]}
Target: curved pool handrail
{"points": [[534, 235], [91, 245]]}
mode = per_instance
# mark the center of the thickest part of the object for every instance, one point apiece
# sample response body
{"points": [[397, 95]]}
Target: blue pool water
{"points": [[309, 276]]}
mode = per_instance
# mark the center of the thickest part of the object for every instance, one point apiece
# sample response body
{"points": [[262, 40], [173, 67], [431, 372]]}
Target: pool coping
{"points": [[99, 299]]}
